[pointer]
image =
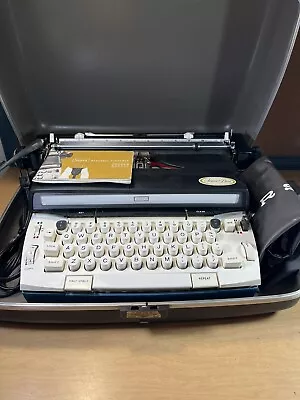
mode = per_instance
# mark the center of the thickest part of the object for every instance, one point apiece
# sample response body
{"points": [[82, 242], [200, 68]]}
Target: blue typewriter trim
{"points": [[59, 297]]}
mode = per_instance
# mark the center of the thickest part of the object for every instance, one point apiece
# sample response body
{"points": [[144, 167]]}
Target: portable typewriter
{"points": [[184, 85]]}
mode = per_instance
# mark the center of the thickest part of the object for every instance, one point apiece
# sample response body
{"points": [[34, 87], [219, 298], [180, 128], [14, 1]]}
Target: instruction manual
{"points": [[86, 167]]}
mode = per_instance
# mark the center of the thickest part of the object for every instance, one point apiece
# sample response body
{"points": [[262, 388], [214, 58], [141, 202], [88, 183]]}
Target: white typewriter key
{"points": [[182, 236], [113, 250], [78, 283], [105, 263], [49, 235], [210, 236], [166, 261], [160, 226], [83, 250], [89, 263], [104, 226], [181, 261], [54, 264], [174, 226], [132, 226], [125, 237], [217, 248], [69, 250], [173, 249], [111, 237], [188, 248], [98, 250], [136, 262], [202, 248], [76, 226], [187, 226], [67, 238], [196, 237], [158, 249], [74, 264], [201, 226], [96, 237], [168, 237], [139, 237], [197, 261], [143, 249], [229, 225], [128, 249], [153, 237], [90, 227], [231, 260], [81, 238], [121, 263], [212, 260], [118, 226], [146, 226], [151, 261]]}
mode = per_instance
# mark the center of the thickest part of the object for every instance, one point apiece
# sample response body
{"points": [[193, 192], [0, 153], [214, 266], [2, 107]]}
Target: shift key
{"points": [[231, 260], [54, 264]]}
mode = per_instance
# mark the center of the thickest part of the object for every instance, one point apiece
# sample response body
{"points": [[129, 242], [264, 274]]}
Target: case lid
{"points": [[142, 65]]}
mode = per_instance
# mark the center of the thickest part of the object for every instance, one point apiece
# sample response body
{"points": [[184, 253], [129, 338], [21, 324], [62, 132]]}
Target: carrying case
{"points": [[153, 70]]}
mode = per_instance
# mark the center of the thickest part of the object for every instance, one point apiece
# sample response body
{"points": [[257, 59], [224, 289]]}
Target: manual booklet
{"points": [[86, 166]]}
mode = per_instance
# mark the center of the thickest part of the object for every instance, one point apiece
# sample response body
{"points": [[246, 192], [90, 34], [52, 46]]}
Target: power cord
{"points": [[36, 145], [10, 257]]}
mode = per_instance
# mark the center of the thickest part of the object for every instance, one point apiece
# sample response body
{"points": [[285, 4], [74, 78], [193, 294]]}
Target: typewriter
{"points": [[180, 226]]}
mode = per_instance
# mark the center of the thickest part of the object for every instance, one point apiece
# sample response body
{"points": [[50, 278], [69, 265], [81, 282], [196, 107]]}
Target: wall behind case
{"points": [[280, 135]]}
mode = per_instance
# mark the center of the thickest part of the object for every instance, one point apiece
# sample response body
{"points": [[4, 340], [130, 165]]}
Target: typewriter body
{"points": [[173, 232]]}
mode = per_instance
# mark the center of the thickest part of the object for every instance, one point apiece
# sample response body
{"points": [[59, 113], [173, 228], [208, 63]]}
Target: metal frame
{"points": [[187, 140], [270, 299]]}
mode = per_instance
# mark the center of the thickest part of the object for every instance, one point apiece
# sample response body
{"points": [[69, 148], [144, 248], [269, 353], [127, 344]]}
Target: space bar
{"points": [[135, 282]]}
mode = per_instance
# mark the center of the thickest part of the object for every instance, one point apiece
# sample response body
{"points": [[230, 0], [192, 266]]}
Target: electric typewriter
{"points": [[179, 228]]}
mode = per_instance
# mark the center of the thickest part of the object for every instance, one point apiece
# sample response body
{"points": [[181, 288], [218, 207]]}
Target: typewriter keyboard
{"points": [[138, 254]]}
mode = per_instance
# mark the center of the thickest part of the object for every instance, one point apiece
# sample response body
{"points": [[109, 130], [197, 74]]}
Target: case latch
{"points": [[144, 313]]}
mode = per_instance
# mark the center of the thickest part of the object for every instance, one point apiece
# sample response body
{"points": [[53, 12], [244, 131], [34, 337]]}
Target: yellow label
{"points": [[217, 181], [94, 165]]}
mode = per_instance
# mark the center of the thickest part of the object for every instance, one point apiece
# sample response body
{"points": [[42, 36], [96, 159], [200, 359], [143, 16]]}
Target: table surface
{"points": [[247, 358]]}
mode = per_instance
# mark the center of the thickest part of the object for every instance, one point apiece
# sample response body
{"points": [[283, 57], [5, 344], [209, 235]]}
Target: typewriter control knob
{"points": [[215, 224], [61, 225]]}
